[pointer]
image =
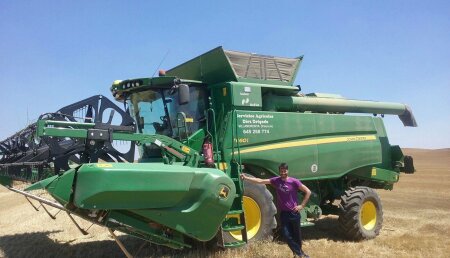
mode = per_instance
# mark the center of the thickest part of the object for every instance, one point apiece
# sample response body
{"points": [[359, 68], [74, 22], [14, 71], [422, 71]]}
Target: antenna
{"points": [[160, 63]]}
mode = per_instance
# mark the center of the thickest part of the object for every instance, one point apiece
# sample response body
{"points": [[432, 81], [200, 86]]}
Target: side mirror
{"points": [[183, 94]]}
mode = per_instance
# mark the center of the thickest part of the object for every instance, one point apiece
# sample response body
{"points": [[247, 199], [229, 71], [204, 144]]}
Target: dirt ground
{"points": [[416, 224]]}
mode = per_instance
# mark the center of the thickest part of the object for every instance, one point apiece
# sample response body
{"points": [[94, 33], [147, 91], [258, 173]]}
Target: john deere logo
{"points": [[224, 191]]}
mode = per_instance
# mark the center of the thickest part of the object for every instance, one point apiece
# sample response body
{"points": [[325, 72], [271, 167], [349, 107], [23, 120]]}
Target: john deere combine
{"points": [[197, 127]]}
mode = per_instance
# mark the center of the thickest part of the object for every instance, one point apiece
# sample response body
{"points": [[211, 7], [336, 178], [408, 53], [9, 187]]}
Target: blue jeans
{"points": [[290, 229]]}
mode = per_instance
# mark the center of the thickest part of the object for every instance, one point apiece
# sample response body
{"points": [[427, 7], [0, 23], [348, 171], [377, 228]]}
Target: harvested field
{"points": [[416, 224]]}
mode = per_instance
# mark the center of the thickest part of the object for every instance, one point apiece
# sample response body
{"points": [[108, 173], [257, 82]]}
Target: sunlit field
{"points": [[416, 224]]}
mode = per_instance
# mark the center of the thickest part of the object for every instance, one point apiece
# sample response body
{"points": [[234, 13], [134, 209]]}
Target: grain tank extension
{"points": [[197, 127]]}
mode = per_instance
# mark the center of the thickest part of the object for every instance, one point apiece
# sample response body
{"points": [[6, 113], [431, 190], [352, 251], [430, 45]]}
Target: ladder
{"points": [[235, 220]]}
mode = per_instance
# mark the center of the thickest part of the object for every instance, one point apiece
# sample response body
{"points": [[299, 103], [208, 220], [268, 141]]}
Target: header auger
{"points": [[197, 128]]}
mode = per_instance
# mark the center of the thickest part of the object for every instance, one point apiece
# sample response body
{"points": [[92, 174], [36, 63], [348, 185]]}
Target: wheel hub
{"points": [[368, 215], [252, 218]]}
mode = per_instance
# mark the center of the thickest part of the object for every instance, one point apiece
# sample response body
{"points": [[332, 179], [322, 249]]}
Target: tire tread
{"points": [[349, 219]]}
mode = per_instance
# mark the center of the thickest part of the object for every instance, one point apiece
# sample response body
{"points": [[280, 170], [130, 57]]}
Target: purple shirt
{"points": [[286, 192]]}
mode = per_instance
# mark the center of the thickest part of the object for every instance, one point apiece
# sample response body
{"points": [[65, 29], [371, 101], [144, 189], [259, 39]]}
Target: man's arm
{"points": [[255, 180], [307, 192]]}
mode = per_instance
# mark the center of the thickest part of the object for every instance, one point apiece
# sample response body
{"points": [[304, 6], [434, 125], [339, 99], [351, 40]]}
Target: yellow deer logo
{"points": [[223, 193]]}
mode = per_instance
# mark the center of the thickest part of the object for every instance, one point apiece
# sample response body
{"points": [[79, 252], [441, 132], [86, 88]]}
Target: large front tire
{"points": [[259, 214], [361, 213]]}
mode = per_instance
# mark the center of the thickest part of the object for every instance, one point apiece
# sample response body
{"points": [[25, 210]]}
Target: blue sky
{"points": [[53, 53]]}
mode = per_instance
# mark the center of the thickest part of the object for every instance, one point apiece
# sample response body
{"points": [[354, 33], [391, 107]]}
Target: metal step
{"points": [[232, 212], [233, 228], [234, 244], [307, 224]]}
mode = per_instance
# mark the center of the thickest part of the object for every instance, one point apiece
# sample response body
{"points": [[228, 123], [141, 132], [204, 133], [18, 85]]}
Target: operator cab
{"points": [[164, 105], [160, 111]]}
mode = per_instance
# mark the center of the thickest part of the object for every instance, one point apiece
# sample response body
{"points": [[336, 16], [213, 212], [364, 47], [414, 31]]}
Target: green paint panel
{"points": [[131, 186], [179, 197], [314, 145], [347, 153], [62, 132], [339, 158], [61, 187], [41, 184], [200, 213], [211, 67], [377, 174], [195, 141]]}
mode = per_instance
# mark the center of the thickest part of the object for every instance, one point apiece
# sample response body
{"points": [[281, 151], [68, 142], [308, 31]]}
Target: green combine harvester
{"points": [[197, 127]]}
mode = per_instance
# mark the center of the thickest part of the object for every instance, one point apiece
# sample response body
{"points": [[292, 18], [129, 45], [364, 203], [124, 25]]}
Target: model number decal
{"points": [[242, 140]]}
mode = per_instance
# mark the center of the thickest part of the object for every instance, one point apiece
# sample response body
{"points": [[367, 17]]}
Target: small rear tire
{"points": [[361, 213]]}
